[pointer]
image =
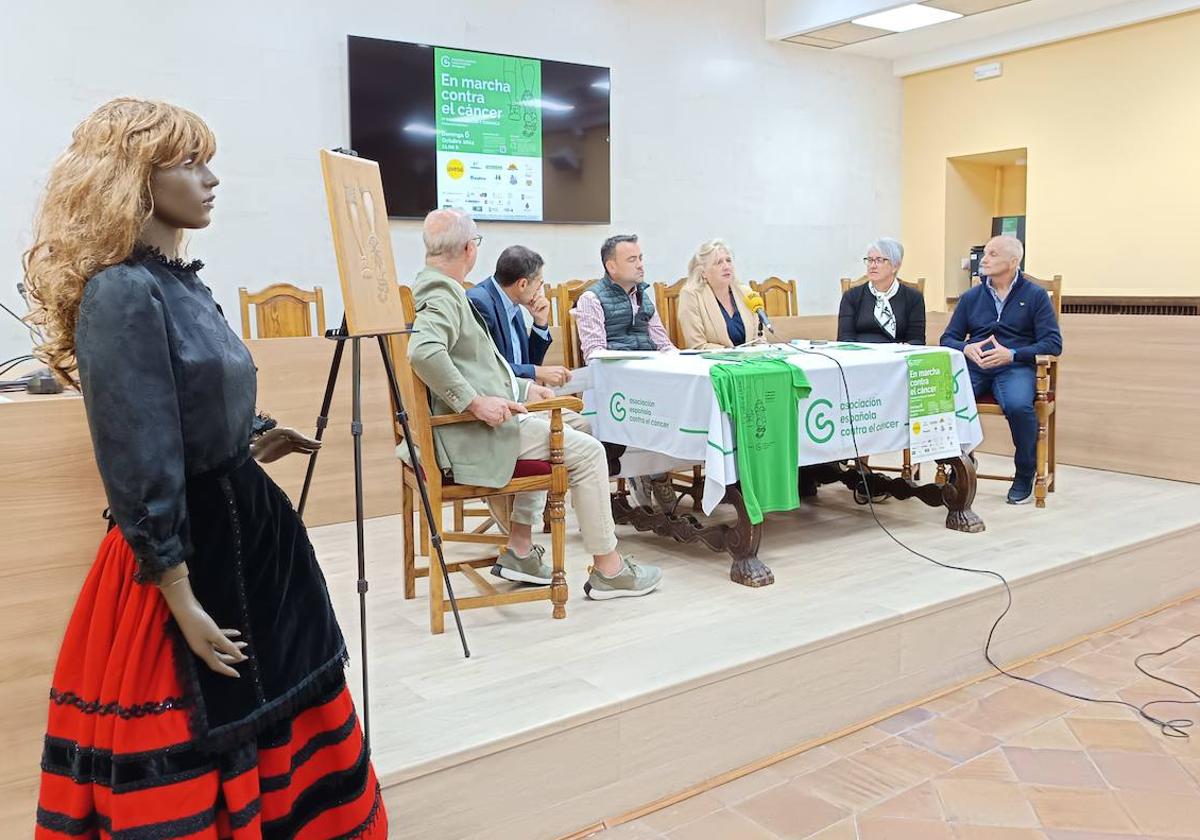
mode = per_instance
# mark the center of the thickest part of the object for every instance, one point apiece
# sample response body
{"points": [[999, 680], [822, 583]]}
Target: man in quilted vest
{"points": [[617, 313]]}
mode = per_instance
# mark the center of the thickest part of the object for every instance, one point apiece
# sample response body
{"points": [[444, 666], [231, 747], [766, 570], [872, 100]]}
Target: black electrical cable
{"points": [[9, 364], [1174, 728], [33, 332]]}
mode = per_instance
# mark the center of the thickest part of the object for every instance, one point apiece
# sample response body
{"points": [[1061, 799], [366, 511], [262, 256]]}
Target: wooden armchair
{"points": [[282, 311], [550, 475], [1044, 405], [558, 317], [779, 296], [666, 300], [568, 295]]}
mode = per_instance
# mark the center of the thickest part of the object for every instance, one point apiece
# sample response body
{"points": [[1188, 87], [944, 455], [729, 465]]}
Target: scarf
{"points": [[883, 306]]}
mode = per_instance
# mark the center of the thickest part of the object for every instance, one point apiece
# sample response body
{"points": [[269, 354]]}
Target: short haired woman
{"points": [[884, 309]]}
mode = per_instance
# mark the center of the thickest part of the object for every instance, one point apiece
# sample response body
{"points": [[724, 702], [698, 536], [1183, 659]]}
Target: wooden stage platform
{"points": [[554, 726]]}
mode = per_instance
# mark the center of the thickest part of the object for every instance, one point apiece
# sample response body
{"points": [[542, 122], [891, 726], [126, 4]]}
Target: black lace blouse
{"points": [[169, 391]]}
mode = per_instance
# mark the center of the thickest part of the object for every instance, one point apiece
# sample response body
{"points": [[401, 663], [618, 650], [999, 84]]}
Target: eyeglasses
{"points": [[875, 260], [478, 240]]}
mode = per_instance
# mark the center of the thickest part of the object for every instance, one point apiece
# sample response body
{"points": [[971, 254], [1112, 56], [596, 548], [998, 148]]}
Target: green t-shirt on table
{"points": [[761, 397]]}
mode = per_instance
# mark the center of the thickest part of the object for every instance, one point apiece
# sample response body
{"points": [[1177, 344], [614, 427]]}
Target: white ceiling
{"points": [[1024, 25]]}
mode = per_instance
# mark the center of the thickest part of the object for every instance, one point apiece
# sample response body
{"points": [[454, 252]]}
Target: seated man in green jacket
{"points": [[453, 353]]}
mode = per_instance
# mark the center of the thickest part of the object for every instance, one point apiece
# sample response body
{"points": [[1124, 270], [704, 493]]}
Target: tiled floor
{"points": [[999, 760]]}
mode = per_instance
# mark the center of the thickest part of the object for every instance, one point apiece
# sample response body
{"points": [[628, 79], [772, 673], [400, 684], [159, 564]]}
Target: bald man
{"points": [[1002, 326], [455, 356]]}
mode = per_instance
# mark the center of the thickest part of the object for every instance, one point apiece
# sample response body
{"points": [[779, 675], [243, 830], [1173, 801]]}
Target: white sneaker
{"points": [[639, 489]]}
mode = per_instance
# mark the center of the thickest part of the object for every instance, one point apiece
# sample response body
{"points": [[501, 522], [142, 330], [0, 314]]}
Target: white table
{"points": [[665, 404]]}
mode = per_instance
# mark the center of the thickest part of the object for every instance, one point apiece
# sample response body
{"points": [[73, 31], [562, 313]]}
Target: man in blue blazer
{"points": [[1002, 326], [498, 300]]}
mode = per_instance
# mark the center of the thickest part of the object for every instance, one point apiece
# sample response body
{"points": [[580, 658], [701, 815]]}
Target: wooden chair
{"points": [[550, 475], [1044, 404], [282, 311], [666, 300], [558, 317], [779, 296], [568, 295], [848, 284]]}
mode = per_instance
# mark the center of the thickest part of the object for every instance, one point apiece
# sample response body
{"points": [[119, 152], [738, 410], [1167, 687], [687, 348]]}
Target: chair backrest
{"points": [[666, 299], [848, 284], [779, 296], [282, 310], [568, 295], [558, 318], [1054, 289], [415, 395]]}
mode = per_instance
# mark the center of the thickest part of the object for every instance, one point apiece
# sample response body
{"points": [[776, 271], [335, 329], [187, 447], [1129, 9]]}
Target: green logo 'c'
{"points": [[817, 421], [616, 406]]}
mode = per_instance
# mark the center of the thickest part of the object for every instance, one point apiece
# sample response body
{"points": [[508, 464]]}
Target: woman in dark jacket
{"points": [[883, 310]]}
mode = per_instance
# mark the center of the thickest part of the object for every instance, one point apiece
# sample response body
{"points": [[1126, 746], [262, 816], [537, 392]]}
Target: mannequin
{"points": [[202, 655]]}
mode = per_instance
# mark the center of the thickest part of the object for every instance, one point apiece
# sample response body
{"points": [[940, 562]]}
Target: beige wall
{"points": [[1012, 191], [1111, 124], [970, 198]]}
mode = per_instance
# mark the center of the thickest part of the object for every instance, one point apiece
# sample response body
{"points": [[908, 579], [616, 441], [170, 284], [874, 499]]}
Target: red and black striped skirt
{"points": [[120, 759]]}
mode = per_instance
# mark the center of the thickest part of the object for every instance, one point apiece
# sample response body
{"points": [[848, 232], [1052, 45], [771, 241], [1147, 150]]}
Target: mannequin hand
{"points": [[273, 444], [215, 647]]}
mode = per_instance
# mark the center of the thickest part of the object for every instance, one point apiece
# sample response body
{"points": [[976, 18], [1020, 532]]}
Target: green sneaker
{"points": [[633, 580], [532, 568]]}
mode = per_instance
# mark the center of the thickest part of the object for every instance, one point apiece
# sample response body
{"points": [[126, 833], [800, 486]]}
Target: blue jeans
{"points": [[1014, 388]]}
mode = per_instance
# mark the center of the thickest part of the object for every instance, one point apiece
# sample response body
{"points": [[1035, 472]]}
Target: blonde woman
{"points": [[199, 690], [712, 305]]}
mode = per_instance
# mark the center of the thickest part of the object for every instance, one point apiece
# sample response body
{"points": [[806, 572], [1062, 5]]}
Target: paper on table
{"points": [[610, 355], [580, 381]]}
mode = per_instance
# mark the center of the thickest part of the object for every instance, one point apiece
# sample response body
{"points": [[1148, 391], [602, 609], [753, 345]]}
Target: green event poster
{"points": [[930, 384], [488, 104]]}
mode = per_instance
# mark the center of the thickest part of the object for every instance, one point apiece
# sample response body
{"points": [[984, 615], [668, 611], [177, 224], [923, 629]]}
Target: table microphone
{"points": [[755, 302]]}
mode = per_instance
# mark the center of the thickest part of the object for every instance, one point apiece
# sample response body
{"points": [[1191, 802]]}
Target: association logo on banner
{"points": [[635, 410], [616, 407], [817, 424]]}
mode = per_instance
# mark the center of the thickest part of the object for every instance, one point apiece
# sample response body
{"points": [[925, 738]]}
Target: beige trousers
{"points": [[587, 471]]}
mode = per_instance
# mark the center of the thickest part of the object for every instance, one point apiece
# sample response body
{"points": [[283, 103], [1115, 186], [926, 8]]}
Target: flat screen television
{"points": [[505, 137]]}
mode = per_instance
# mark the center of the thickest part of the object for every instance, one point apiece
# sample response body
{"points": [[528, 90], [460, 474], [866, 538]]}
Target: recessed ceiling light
{"points": [[904, 18]]}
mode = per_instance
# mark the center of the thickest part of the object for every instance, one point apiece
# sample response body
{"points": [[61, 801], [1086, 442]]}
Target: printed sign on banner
{"points": [[932, 425]]}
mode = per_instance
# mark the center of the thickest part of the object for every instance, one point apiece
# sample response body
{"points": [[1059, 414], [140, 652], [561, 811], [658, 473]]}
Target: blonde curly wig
{"points": [[96, 203]]}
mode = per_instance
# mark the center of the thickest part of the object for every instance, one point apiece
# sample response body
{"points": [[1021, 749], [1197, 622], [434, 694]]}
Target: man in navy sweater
{"points": [[1002, 326], [498, 300]]}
